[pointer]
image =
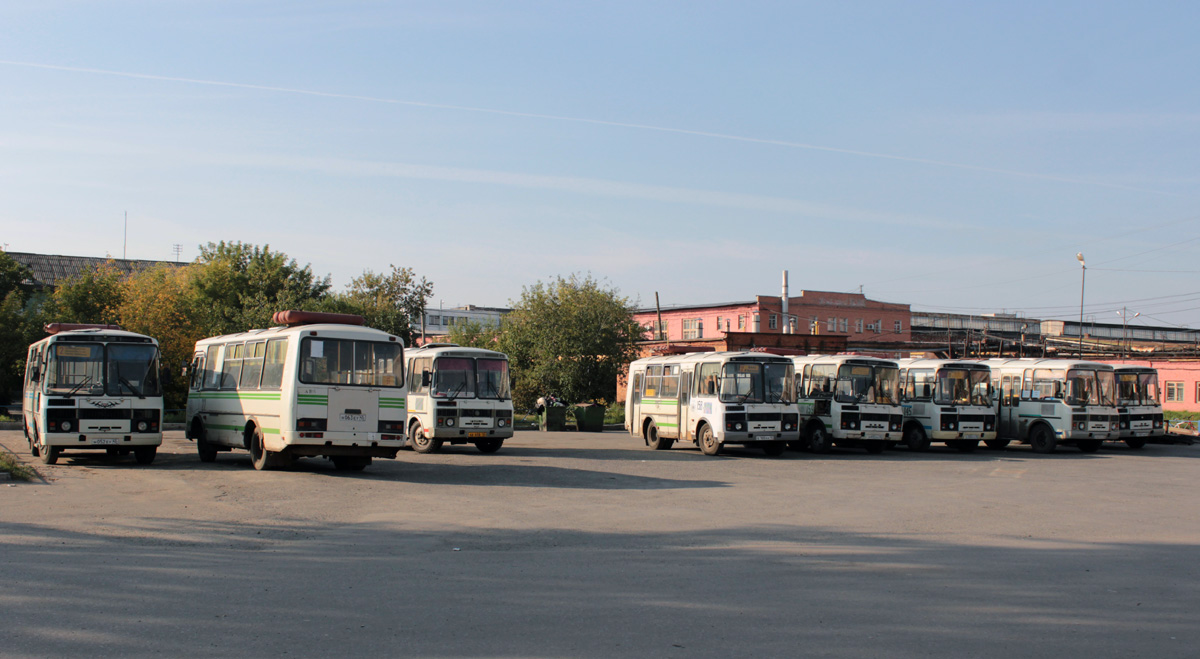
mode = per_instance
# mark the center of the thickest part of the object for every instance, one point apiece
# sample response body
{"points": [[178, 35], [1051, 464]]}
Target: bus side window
{"points": [[653, 380], [637, 386], [197, 371], [708, 381], [272, 375], [1005, 391], [670, 382], [213, 381]]}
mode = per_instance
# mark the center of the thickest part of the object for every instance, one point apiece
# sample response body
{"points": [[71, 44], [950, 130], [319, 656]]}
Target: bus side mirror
{"points": [[426, 378]]}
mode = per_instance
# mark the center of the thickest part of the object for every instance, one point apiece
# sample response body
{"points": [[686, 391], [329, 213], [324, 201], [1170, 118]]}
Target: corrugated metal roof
{"points": [[50, 269]]}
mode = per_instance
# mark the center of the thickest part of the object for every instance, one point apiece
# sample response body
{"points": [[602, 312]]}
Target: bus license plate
{"points": [[477, 434], [972, 435], [105, 440], [873, 435]]}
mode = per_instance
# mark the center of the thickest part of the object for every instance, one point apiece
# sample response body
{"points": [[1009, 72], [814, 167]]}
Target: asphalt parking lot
{"points": [[575, 544]]}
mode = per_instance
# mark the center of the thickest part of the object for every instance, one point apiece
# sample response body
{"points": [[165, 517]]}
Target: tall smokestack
{"points": [[787, 327]]}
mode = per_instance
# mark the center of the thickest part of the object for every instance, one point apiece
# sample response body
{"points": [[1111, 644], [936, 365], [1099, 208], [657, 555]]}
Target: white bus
{"points": [[317, 385], [947, 401], [1048, 402], [92, 387], [1138, 404], [458, 395], [712, 399], [848, 400]]}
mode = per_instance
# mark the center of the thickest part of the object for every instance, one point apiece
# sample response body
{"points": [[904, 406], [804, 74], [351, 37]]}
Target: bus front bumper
{"points": [[101, 440]]}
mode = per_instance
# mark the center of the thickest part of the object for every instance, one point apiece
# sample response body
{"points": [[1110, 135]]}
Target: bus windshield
{"points": [[97, 369], [780, 383], [1137, 388], [1089, 387], [492, 378], [353, 362], [960, 386], [132, 369], [741, 382], [864, 383]]}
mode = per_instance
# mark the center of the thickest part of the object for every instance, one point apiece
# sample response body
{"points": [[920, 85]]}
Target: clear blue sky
{"points": [[952, 155]]}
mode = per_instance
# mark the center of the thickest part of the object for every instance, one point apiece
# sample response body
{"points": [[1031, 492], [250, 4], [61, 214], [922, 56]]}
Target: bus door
{"points": [[635, 403], [1010, 399], [685, 397]]}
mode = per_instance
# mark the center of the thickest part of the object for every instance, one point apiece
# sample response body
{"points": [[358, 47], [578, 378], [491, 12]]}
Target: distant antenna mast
{"points": [[178, 249], [125, 237]]}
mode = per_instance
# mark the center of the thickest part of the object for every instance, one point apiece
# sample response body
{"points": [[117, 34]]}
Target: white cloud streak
{"points": [[585, 120]]}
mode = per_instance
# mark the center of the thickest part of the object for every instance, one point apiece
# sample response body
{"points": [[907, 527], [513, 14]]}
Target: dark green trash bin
{"points": [[553, 418], [589, 417]]}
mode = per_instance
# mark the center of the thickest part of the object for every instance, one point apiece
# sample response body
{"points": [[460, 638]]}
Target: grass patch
{"points": [[4, 418], [20, 472], [1173, 415]]}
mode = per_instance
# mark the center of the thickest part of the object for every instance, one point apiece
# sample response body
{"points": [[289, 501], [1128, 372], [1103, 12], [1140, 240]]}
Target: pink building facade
{"points": [[861, 320]]}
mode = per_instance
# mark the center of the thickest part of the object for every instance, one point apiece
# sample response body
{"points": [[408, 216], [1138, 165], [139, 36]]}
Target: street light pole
{"points": [[1124, 325], [1082, 282]]}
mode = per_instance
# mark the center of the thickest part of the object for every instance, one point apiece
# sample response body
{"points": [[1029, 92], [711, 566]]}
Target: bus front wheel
{"points": [[49, 454], [996, 444], [206, 451], [1088, 445], [1042, 440], [1134, 444], [489, 445], [261, 457], [819, 440], [774, 449], [708, 441], [421, 443], [144, 455], [915, 439]]}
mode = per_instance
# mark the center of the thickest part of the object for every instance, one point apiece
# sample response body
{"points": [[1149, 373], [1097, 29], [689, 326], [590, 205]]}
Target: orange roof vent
{"points": [[55, 328], [293, 317]]}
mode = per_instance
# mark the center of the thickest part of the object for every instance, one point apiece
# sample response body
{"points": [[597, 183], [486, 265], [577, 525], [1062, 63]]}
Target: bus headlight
{"points": [[737, 426], [142, 426], [501, 422], [449, 422], [65, 426]]}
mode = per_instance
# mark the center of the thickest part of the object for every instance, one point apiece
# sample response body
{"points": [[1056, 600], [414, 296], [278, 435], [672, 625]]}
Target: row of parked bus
{"points": [[314, 385], [820, 401], [324, 385]]}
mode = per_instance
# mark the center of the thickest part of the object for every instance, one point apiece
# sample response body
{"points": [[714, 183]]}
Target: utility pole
{"points": [[1082, 281]]}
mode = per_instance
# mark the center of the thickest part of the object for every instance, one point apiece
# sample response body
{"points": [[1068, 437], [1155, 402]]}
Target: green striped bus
{"points": [[317, 385]]}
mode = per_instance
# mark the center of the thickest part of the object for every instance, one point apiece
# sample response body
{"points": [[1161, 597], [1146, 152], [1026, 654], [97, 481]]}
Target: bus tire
{"points": [[996, 444], [654, 440], [708, 440], [420, 443], [819, 440], [1088, 445], [1042, 440], [1134, 444], [259, 455], [915, 438], [350, 462], [774, 449], [33, 442], [964, 445], [207, 452], [875, 446], [144, 455], [49, 454], [489, 445]]}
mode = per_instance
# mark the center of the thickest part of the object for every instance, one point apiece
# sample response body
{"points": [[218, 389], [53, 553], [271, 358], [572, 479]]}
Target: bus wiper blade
{"points": [[454, 394], [137, 392], [79, 386]]}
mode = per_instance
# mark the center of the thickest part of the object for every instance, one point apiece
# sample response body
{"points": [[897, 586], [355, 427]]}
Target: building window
{"points": [[435, 320], [831, 325], [719, 325], [1174, 392], [844, 325], [693, 329], [1198, 392], [741, 321], [898, 326], [773, 322], [858, 326]]}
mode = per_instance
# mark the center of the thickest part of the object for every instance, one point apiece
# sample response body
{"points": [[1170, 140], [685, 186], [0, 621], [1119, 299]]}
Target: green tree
{"points": [[240, 286], [571, 338], [20, 324], [475, 335], [162, 302], [388, 301], [92, 296]]}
